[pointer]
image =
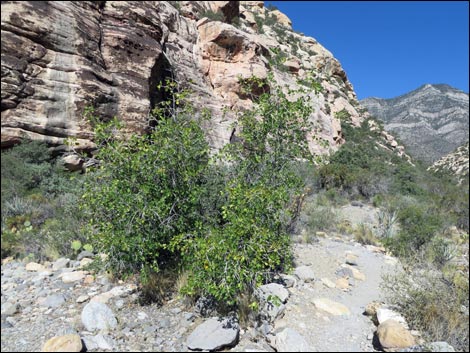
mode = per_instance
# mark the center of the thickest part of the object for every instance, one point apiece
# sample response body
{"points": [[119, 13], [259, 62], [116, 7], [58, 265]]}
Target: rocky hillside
{"points": [[455, 162], [432, 120], [60, 57]]}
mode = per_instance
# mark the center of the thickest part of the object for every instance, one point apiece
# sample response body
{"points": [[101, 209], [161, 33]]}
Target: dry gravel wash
{"points": [[48, 307], [325, 332]]}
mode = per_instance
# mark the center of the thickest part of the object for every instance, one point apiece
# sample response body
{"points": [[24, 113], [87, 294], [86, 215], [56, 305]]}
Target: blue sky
{"points": [[389, 48]]}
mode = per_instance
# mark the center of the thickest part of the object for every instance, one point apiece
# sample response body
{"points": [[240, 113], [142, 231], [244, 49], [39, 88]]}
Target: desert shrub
{"points": [[441, 251], [432, 302], [364, 235], [38, 193], [147, 188], [277, 59], [419, 223], [318, 214]]}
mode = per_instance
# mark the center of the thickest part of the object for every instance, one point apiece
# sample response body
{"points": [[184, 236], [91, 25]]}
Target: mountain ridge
{"points": [[431, 120]]}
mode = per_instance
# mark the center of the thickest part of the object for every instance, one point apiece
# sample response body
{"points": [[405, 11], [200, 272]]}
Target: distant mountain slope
{"points": [[456, 162], [432, 120]]}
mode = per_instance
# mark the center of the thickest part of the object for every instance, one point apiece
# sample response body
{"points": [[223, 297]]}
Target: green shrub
{"points": [[147, 189], [418, 225], [252, 243]]}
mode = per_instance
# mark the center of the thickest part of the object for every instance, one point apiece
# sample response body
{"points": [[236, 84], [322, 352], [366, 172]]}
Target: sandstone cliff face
{"points": [[60, 57], [432, 120]]}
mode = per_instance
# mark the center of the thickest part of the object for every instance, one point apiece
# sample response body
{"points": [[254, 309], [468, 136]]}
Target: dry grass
{"points": [[364, 235], [433, 303]]}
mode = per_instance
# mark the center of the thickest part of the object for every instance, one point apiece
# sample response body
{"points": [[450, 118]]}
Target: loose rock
{"points": [[98, 316], [214, 334], [392, 334], [273, 290], [34, 267], [289, 340], [70, 277], [60, 264], [66, 343], [305, 273], [330, 306]]}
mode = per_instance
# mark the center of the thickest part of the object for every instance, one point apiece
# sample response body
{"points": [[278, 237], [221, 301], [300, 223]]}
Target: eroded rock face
{"points": [[60, 57], [432, 120]]}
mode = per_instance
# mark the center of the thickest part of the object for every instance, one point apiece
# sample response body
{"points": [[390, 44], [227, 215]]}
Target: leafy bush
{"points": [[252, 242], [147, 189], [159, 202]]}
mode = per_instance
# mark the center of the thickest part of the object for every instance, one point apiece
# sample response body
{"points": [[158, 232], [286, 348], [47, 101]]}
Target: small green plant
{"points": [[278, 58], [76, 245], [88, 247], [342, 115], [274, 299]]}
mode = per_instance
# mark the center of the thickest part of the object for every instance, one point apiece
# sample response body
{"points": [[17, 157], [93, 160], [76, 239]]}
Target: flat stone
{"points": [[84, 254], [98, 342], [392, 334], [289, 340], [82, 298], [305, 273], [329, 283], [119, 291], [70, 277], [214, 334], [348, 270], [60, 263], [66, 343], [342, 283], [273, 290], [98, 316], [9, 309], [53, 301], [330, 306], [351, 259], [383, 314], [34, 267]]}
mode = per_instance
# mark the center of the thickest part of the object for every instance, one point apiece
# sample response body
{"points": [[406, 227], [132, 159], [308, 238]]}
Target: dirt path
{"points": [[323, 331]]}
